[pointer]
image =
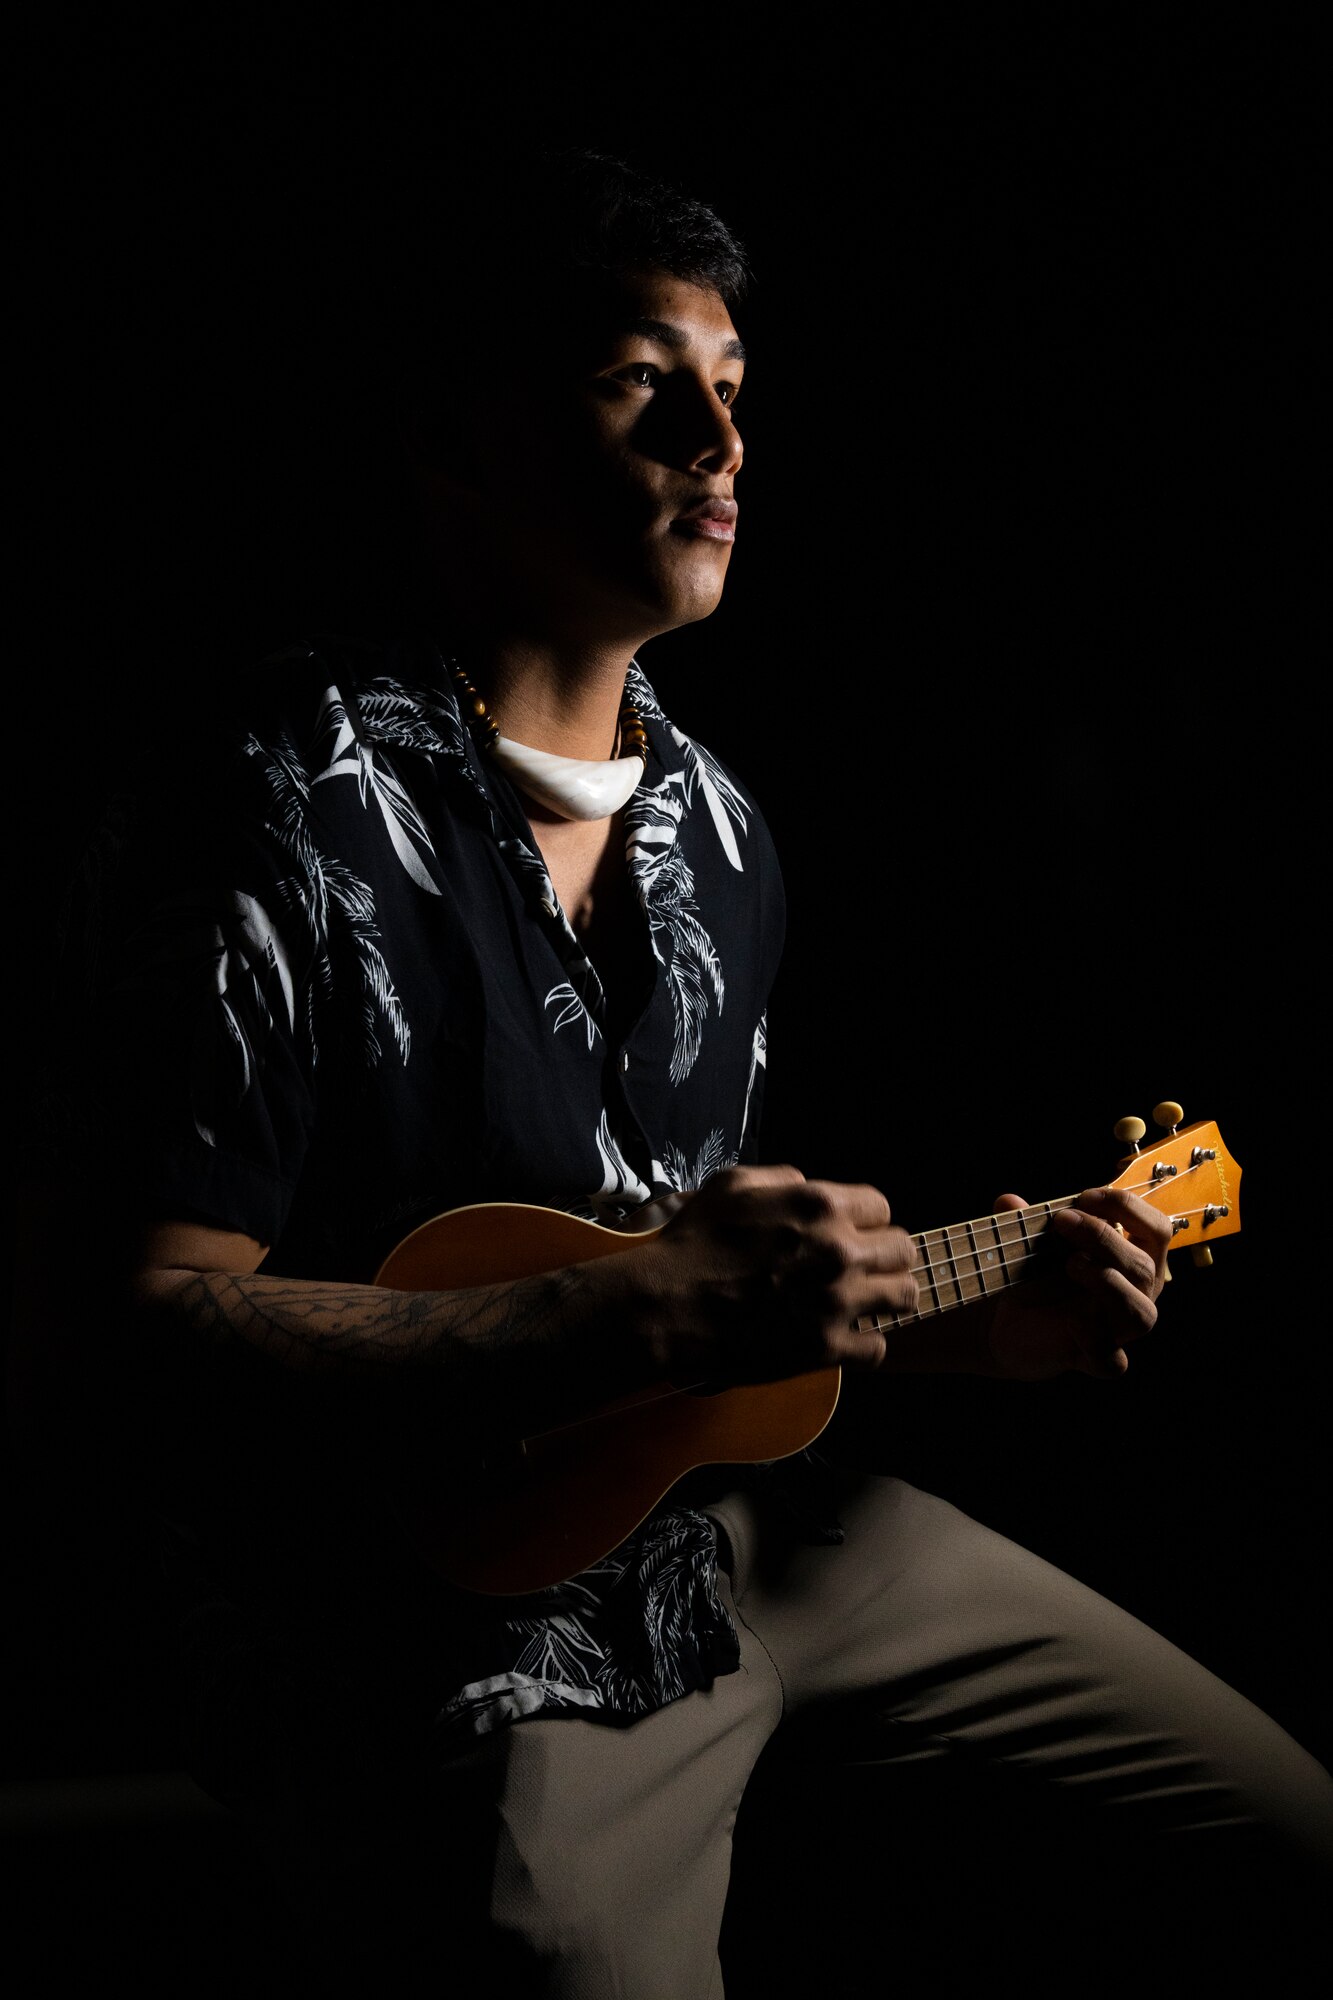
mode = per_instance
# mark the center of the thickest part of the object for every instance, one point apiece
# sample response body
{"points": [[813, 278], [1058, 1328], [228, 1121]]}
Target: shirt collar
{"points": [[413, 705]]}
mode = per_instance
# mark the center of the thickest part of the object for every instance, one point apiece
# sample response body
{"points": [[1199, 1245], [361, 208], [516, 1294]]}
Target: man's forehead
{"points": [[676, 313], [670, 333]]}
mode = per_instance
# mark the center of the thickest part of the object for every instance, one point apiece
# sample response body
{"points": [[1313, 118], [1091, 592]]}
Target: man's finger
{"points": [[757, 1177], [883, 1250], [1144, 1225], [857, 1347], [1135, 1313], [1098, 1239], [855, 1202]]}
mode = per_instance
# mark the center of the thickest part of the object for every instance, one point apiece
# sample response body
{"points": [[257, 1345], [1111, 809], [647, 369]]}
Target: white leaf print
{"points": [[720, 795], [665, 885], [350, 759], [395, 819], [265, 944], [621, 1186], [652, 822], [758, 1061], [572, 1008], [336, 909], [676, 1172], [502, 1698]]}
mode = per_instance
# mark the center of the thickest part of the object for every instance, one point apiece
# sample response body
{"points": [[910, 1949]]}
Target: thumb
{"points": [[1004, 1202]]}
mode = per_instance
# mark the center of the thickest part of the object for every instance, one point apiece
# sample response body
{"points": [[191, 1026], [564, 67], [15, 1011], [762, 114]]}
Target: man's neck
{"points": [[563, 700]]}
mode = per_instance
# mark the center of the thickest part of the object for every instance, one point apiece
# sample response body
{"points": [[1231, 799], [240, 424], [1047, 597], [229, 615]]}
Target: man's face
{"points": [[604, 473]]}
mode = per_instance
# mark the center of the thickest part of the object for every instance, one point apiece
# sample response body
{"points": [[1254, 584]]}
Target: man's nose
{"points": [[713, 441]]}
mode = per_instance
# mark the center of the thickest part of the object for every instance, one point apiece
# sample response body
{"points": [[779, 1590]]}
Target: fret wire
{"points": [[953, 1263], [947, 1235], [880, 1324], [997, 1240], [934, 1264], [1003, 1215], [939, 1265], [999, 1244], [981, 1267], [929, 1267], [972, 1242]]}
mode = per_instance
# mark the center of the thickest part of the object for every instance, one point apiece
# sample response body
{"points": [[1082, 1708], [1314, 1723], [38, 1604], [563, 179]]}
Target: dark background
{"points": [[1024, 562]]}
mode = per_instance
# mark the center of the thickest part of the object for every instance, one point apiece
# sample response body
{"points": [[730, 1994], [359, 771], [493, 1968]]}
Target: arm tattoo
{"points": [[536, 1345]]}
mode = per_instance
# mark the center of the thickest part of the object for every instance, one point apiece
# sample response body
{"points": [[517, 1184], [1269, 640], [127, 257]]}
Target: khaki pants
{"points": [[924, 1638]]}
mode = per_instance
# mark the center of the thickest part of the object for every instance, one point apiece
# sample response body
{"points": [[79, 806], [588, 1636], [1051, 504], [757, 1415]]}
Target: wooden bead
{"points": [[633, 736]]}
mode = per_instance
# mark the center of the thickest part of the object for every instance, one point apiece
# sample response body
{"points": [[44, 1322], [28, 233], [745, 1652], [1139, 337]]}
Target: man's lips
{"points": [[714, 520]]}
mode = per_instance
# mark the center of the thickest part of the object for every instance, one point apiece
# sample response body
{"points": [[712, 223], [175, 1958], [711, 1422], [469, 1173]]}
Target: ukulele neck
{"points": [[966, 1261]]}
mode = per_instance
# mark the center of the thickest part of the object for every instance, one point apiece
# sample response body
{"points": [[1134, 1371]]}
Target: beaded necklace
{"points": [[573, 787]]}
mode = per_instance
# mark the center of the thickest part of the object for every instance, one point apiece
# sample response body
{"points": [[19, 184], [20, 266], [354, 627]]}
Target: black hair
{"points": [[541, 229], [587, 212]]}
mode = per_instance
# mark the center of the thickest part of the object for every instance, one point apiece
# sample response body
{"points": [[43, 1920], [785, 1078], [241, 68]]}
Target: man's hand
{"points": [[763, 1274], [1105, 1299]]}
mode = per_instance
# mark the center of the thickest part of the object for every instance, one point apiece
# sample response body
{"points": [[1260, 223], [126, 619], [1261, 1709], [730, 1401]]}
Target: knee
{"points": [[552, 1905]]}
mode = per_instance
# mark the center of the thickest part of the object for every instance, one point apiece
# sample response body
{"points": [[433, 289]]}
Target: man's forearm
{"points": [[495, 1358]]}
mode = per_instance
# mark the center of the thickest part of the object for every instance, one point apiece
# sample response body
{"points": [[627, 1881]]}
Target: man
{"points": [[414, 937]]}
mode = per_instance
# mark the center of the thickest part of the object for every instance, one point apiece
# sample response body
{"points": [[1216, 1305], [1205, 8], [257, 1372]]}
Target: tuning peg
{"points": [[1129, 1131], [1167, 1114], [1202, 1255]]}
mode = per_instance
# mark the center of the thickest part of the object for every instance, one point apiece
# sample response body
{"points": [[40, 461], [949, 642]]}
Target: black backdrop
{"points": [[1023, 550]]}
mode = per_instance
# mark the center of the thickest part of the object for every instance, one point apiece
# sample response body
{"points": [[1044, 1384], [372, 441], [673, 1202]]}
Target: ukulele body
{"points": [[557, 1501]]}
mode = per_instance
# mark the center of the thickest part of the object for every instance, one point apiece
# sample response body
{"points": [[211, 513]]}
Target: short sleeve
{"points": [[190, 1075]]}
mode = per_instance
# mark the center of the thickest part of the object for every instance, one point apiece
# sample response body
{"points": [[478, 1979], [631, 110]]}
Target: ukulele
{"points": [[552, 1503]]}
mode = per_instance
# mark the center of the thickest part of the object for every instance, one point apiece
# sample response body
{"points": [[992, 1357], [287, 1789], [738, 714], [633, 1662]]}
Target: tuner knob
{"points": [[1167, 1114], [1129, 1131], [1202, 1255]]}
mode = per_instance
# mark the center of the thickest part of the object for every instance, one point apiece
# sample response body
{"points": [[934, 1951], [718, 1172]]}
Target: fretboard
{"points": [[971, 1260]]}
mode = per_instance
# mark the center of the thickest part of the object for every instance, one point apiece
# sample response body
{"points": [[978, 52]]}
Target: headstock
{"points": [[1188, 1174]]}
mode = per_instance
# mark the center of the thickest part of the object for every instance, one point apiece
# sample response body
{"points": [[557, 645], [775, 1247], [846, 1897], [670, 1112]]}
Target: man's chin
{"points": [[683, 599], [660, 619]]}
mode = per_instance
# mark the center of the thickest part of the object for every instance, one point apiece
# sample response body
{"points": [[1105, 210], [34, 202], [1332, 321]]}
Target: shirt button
{"points": [[624, 1062]]}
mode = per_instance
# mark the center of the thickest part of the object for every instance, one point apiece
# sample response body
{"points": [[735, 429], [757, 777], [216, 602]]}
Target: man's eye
{"points": [[727, 393], [640, 374]]}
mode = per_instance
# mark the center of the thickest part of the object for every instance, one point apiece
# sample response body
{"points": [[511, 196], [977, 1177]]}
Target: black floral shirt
{"points": [[336, 995]]}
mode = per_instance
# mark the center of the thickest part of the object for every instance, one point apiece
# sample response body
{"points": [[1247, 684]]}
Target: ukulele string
{"points": [[1167, 1180], [954, 1266], [1020, 1233], [949, 1264]]}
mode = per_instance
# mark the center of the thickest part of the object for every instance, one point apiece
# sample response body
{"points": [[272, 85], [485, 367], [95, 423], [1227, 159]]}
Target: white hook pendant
{"points": [[568, 785]]}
